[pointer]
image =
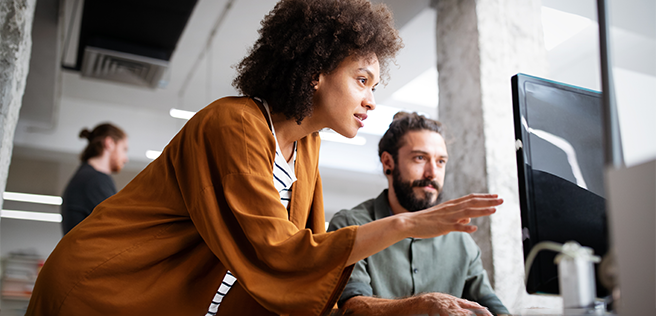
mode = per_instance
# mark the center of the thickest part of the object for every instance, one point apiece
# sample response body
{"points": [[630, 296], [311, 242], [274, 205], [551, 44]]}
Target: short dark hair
{"points": [[301, 39], [97, 137], [403, 123]]}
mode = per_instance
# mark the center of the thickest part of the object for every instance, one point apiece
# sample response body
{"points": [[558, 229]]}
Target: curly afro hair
{"points": [[301, 39]]}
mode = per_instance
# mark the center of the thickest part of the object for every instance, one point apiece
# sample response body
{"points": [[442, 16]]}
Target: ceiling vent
{"points": [[123, 67]]}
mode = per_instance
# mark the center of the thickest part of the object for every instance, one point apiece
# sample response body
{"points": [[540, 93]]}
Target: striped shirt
{"points": [[283, 178]]}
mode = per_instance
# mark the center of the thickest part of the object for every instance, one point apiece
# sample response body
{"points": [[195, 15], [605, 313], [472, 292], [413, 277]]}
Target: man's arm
{"points": [[478, 287], [423, 304]]}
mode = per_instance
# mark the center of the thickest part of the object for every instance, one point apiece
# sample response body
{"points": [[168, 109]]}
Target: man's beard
{"points": [[406, 195], [115, 165]]}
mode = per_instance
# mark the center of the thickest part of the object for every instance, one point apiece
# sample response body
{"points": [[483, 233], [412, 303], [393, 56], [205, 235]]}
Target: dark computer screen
{"points": [[560, 163]]}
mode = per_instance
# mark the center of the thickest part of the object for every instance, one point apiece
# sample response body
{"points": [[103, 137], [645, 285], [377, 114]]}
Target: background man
{"points": [[414, 276], [91, 184]]}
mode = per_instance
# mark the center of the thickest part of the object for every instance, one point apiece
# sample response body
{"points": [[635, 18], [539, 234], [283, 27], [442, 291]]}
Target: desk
{"points": [[547, 312]]}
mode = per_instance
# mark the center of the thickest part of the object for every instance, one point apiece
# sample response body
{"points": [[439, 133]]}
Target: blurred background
{"points": [[185, 51]]}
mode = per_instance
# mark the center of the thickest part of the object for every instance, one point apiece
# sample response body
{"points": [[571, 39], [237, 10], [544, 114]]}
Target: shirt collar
{"points": [[381, 206]]}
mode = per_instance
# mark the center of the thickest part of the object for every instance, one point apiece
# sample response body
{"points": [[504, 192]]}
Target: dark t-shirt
{"points": [[86, 189]]}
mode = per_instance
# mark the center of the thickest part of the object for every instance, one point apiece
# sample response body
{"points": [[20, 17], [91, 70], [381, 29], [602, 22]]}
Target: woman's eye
{"points": [[363, 80]]}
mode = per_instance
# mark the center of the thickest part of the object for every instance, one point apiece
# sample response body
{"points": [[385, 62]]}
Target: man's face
{"points": [[418, 175], [119, 155]]}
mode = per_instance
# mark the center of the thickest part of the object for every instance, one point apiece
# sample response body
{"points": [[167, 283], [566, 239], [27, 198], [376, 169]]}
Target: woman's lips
{"points": [[360, 117]]}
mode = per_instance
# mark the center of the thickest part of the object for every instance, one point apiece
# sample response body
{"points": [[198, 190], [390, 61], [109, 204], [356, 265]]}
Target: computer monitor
{"points": [[560, 163]]}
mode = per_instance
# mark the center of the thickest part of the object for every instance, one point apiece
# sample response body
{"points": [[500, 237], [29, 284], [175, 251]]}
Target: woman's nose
{"points": [[369, 101]]}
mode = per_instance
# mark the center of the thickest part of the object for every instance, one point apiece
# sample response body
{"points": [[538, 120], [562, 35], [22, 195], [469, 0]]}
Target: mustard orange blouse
{"points": [[208, 204]]}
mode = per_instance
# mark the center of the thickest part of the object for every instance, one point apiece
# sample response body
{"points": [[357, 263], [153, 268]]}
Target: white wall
{"points": [[633, 53]]}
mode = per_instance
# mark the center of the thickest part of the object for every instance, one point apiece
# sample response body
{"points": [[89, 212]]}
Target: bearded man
{"points": [[442, 275]]}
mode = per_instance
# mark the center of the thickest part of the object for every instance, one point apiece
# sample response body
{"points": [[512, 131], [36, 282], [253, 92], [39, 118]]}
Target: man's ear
{"points": [[109, 143], [388, 161]]}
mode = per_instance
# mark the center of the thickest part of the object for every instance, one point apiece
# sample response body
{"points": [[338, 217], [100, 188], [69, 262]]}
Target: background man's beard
{"points": [[115, 166], [406, 195]]}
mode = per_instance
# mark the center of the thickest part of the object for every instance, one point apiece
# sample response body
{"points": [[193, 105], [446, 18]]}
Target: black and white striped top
{"points": [[283, 178]]}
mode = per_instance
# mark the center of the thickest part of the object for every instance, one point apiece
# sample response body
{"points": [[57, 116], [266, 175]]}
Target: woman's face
{"points": [[343, 97]]}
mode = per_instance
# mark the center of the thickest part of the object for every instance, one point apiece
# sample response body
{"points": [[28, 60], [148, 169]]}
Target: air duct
{"points": [[122, 67]]}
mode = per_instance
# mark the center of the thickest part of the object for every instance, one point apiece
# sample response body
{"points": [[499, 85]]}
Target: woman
{"points": [[210, 204]]}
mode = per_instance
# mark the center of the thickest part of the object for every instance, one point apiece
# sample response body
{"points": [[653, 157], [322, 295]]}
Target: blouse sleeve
{"points": [[225, 172]]}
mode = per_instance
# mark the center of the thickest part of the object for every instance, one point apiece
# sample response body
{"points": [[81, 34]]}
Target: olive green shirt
{"points": [[447, 264]]}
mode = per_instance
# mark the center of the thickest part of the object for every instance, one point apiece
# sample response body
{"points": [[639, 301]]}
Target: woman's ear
{"points": [[316, 81]]}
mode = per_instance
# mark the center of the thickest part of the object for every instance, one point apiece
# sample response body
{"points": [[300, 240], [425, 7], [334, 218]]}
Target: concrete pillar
{"points": [[480, 45], [16, 18], [460, 108]]}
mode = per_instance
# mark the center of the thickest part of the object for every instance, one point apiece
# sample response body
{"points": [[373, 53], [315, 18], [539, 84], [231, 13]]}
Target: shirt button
{"points": [[415, 270]]}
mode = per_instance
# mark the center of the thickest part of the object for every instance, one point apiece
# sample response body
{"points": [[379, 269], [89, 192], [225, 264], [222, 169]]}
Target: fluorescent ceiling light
{"points": [[32, 216], [560, 26], [181, 114], [32, 198], [421, 90], [376, 124], [153, 154], [334, 137]]}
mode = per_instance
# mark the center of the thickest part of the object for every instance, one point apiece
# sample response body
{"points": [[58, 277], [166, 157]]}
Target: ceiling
{"points": [[201, 41], [149, 28], [217, 35]]}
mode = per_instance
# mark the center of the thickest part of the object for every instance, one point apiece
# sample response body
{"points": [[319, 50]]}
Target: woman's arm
{"points": [[436, 221]]}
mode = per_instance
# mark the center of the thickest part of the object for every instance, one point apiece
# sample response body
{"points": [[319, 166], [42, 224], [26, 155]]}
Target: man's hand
{"points": [[433, 304], [440, 304]]}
